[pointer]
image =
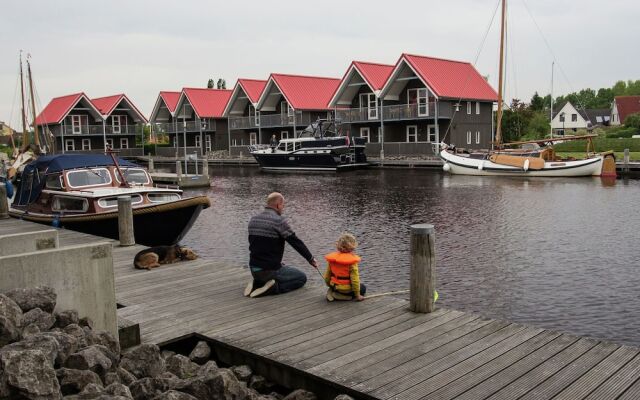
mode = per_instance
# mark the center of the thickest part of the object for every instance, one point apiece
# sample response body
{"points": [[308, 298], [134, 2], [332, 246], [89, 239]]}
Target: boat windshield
{"points": [[89, 177], [133, 175]]}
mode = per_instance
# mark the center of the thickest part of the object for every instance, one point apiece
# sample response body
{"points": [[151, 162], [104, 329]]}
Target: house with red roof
{"points": [[622, 107], [162, 118], [425, 101], [289, 103], [83, 125], [241, 112]]}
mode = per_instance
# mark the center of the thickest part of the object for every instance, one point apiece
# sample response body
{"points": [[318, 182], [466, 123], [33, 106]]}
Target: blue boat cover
{"points": [[33, 177]]}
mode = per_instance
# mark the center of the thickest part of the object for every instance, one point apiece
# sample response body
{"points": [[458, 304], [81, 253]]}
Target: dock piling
{"points": [[151, 166], [125, 221], [423, 268], [625, 168], [205, 167], [179, 170], [4, 201]]}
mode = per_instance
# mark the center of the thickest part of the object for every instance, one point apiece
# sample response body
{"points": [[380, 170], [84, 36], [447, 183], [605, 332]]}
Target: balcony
{"points": [[99, 130], [188, 126], [395, 113], [270, 121], [242, 123]]}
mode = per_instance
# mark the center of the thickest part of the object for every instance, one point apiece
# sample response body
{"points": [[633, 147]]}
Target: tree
{"points": [[222, 84], [632, 121], [210, 84], [538, 126], [537, 102], [620, 88]]}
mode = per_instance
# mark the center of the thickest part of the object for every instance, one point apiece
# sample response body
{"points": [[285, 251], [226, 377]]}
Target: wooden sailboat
{"points": [[530, 158]]}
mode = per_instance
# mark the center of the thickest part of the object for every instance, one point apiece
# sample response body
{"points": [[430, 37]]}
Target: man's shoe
{"points": [[330, 295], [248, 289], [341, 296], [263, 289]]}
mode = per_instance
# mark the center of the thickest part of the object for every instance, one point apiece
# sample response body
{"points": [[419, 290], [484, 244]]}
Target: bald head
{"points": [[276, 201]]}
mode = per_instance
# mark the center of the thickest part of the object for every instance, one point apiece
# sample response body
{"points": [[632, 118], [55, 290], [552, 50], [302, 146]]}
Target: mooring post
{"points": [[125, 221], [178, 170], [205, 167], [626, 160], [151, 166], [423, 268], [4, 201]]}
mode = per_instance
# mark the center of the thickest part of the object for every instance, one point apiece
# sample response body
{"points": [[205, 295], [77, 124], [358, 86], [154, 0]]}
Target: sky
{"points": [[142, 47]]}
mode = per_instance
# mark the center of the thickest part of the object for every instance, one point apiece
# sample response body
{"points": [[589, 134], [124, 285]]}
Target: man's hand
{"points": [[314, 263]]}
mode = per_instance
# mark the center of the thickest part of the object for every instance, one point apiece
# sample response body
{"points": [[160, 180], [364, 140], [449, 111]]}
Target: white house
{"points": [[569, 119]]}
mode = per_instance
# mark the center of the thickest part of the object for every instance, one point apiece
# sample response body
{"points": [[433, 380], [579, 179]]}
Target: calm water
{"points": [[557, 253]]}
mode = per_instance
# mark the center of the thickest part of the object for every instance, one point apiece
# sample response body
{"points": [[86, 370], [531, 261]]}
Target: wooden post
{"points": [[626, 160], [205, 167], [178, 170], [125, 221], [151, 166], [423, 268], [4, 201]]}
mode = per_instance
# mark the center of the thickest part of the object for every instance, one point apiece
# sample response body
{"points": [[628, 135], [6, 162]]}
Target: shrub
{"points": [[601, 144], [632, 121]]}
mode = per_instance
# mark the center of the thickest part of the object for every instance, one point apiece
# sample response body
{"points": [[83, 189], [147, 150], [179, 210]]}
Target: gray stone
{"points": [[167, 380], [111, 377], [103, 338], [43, 320], [86, 321], [30, 373], [91, 358], [48, 345], [78, 332], [118, 389], [243, 372], [67, 345], [181, 366], [232, 388], [343, 397], [114, 358], [201, 353], [10, 320], [210, 368], [125, 376], [174, 395], [167, 353], [73, 381], [144, 388], [92, 389], [209, 384], [301, 394], [276, 396], [260, 384], [143, 361], [66, 317], [30, 330], [42, 297]]}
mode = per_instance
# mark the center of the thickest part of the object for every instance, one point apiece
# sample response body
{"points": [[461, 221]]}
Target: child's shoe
{"points": [[330, 295]]}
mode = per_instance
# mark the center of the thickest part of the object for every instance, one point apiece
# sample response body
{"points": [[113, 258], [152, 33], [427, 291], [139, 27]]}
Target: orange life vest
{"points": [[340, 264]]}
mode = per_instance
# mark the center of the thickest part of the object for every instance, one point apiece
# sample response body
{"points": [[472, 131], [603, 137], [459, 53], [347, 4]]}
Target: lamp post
{"points": [[562, 118]]}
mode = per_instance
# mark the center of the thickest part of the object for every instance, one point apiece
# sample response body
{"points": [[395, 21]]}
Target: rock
{"points": [[91, 389], [30, 373], [118, 389], [276, 395], [167, 380], [143, 361], [86, 321], [111, 377], [260, 384], [231, 387], [301, 394], [167, 353], [10, 320], [343, 397], [29, 330], [114, 358], [181, 366], [91, 358], [67, 345], [201, 353], [209, 383], [209, 368], [73, 381], [174, 395], [48, 345], [66, 317], [242, 372], [78, 332], [43, 320], [103, 338], [41, 297], [144, 388], [125, 376]]}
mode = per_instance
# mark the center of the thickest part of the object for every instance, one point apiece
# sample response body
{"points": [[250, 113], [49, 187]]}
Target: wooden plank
{"points": [[619, 382]]}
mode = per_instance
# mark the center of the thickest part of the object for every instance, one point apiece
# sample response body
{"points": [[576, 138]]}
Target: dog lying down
{"points": [[153, 257]]}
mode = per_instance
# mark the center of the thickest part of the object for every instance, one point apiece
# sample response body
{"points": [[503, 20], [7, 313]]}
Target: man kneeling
{"points": [[268, 232]]}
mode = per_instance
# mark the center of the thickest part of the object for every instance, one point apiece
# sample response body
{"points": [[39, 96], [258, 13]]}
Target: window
{"points": [[287, 110], [234, 142], [54, 181], [419, 97], [457, 106], [175, 141], [77, 122], [284, 134], [412, 133], [133, 175], [124, 143], [574, 117], [477, 108], [468, 137], [477, 137], [469, 107], [364, 133], [562, 117], [207, 142], [254, 116], [368, 102], [431, 133], [110, 143], [253, 138], [117, 122], [88, 177], [107, 202], [69, 145], [163, 197], [197, 140], [86, 144], [64, 203]]}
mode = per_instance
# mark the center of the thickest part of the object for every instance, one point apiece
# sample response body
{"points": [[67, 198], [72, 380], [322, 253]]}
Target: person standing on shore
{"points": [[268, 232]]}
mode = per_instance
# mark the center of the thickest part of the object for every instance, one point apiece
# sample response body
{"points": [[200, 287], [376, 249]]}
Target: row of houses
{"points": [[401, 108], [569, 118]]}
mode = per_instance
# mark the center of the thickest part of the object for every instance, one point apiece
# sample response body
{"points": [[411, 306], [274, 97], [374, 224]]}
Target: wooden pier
{"points": [[375, 349]]}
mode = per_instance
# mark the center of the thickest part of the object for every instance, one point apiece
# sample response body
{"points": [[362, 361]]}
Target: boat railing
{"points": [[256, 147]]}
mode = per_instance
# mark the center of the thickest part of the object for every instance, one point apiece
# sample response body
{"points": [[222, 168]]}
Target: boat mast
{"points": [[36, 139], [551, 108], [500, 77], [25, 133]]}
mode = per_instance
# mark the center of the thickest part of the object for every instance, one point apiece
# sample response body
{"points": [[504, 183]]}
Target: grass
{"points": [[633, 155]]}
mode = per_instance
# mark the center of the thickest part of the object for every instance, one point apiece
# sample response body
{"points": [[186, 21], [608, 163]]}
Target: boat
{"points": [[317, 148], [527, 158], [80, 192]]}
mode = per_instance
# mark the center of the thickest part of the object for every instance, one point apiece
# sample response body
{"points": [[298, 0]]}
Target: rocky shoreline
{"points": [[57, 355]]}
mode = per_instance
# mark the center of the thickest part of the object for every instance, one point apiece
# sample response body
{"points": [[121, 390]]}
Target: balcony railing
{"points": [[270, 121], [188, 126], [395, 112], [100, 130], [242, 122]]}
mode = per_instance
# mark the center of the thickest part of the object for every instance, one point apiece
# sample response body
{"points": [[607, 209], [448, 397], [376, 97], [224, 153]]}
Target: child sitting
{"points": [[342, 272]]}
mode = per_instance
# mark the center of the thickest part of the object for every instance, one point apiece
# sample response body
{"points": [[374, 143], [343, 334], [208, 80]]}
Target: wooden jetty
{"points": [[375, 349]]}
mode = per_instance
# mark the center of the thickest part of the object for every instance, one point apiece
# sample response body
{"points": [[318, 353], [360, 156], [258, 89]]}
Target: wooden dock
{"points": [[375, 349]]}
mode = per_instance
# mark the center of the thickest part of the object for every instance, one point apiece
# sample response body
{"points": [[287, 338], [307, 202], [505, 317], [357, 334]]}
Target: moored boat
{"points": [[80, 192]]}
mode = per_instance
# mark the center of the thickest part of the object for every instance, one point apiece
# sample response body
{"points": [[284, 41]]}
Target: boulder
{"points": [[181, 366], [143, 361], [343, 397], [125, 376], [92, 389], [209, 384], [167, 380], [78, 332], [144, 388], [30, 373], [66, 317], [86, 321], [42, 297], [111, 377], [103, 338], [43, 320], [174, 395], [118, 389], [10, 320], [48, 345], [167, 353], [73, 381], [29, 330], [260, 384], [91, 358], [201, 353], [301, 394], [67, 345], [275, 396], [114, 358], [232, 388], [242, 372]]}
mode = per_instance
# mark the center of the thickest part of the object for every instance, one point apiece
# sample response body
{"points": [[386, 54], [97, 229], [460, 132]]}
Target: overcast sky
{"points": [[142, 47]]}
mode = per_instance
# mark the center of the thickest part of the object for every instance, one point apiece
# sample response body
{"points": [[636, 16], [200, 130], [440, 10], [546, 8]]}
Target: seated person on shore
{"points": [[268, 232], [342, 275]]}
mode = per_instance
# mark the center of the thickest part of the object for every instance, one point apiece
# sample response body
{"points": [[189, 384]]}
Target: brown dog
{"points": [[153, 257]]}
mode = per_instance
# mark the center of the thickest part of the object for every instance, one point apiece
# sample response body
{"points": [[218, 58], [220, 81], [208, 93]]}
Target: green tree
{"points": [[210, 84], [222, 84], [604, 98], [632, 121], [537, 102], [620, 88], [538, 126]]}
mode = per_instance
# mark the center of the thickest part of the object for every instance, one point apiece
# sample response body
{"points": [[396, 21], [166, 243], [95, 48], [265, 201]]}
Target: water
{"points": [[556, 253]]}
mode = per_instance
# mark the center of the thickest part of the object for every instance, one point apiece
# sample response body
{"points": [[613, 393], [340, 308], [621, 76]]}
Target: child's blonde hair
{"points": [[346, 243]]}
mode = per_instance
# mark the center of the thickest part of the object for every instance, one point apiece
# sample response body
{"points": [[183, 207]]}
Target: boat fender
{"points": [[481, 165], [525, 166], [446, 167]]}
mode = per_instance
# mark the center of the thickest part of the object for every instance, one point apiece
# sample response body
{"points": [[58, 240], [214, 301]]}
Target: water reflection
{"points": [[559, 253]]}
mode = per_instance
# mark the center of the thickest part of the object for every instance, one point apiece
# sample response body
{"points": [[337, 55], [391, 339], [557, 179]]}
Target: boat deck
{"points": [[375, 349]]}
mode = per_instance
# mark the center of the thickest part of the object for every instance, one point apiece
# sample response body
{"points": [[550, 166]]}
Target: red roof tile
{"points": [[58, 108], [627, 105], [306, 92], [375, 75], [253, 88], [170, 99], [451, 79], [207, 103], [107, 104]]}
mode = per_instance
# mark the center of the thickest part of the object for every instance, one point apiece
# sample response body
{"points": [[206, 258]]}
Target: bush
{"points": [[632, 121], [623, 133], [601, 144], [151, 148]]}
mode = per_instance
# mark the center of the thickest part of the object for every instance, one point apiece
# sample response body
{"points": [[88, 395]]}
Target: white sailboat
{"points": [[530, 158]]}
